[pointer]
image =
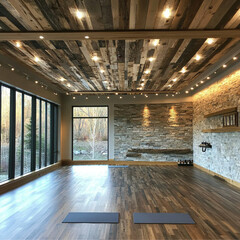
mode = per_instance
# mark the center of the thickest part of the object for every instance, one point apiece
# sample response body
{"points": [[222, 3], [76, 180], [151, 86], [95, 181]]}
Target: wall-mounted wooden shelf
{"points": [[222, 130], [221, 112]]}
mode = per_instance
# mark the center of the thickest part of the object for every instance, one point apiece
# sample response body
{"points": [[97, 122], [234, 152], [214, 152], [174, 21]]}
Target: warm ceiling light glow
{"points": [[62, 79], [224, 65], [147, 71], [198, 57], [36, 82], [202, 82], [74, 97], [183, 70], [108, 97], [192, 88], [87, 37], [41, 37], [75, 90], [156, 94], [173, 95], [210, 41], [197, 85], [155, 42], [234, 58], [116, 93], [146, 95], [69, 85], [79, 14], [120, 97], [174, 80], [134, 96], [208, 78], [167, 13], [67, 93], [18, 44], [12, 69], [36, 59], [86, 98], [102, 70], [187, 92], [142, 84], [95, 58], [166, 95], [151, 59], [169, 86]]}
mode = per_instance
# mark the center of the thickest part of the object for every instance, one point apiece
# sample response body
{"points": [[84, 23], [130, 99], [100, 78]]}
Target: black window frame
{"points": [[92, 118]]}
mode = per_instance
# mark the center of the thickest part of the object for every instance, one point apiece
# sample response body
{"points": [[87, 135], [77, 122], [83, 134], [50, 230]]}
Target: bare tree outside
{"points": [[90, 133]]}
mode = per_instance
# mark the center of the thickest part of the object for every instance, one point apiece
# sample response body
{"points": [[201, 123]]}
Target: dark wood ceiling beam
{"points": [[122, 35]]}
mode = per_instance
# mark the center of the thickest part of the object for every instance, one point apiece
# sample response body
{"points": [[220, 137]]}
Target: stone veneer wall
{"points": [[153, 126], [224, 157]]}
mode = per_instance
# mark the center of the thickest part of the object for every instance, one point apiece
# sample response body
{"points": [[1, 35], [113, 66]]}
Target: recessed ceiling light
{"points": [[224, 65], [147, 71], [41, 37], [146, 95], [234, 58], [36, 59], [197, 85], [167, 13], [87, 37], [12, 69], [210, 41], [102, 70], [192, 88], [120, 97], [36, 82], [116, 93], [69, 85], [67, 93], [186, 91], [142, 84], [134, 96], [75, 90], [215, 72], [151, 59], [198, 57], [173, 95], [208, 78], [62, 79], [79, 14], [18, 44], [183, 70], [108, 97], [202, 82], [95, 58], [86, 98], [98, 97], [156, 94], [174, 80], [155, 42], [166, 95], [74, 97], [169, 85]]}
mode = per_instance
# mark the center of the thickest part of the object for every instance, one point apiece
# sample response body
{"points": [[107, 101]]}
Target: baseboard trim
{"points": [[15, 183], [112, 162], [235, 183]]}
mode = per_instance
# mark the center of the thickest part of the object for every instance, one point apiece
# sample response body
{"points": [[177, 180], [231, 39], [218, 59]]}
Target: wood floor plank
{"points": [[36, 209]]}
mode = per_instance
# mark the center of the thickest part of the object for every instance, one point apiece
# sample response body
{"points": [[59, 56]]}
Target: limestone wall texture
{"points": [[224, 157], [153, 126]]}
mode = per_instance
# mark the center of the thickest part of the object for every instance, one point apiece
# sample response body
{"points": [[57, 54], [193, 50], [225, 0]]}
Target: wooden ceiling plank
{"points": [[234, 22], [9, 23], [123, 15], [151, 13], [115, 13], [132, 14], [141, 14]]}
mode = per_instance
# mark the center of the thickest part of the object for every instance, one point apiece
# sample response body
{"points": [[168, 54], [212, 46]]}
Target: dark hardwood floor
{"points": [[36, 210]]}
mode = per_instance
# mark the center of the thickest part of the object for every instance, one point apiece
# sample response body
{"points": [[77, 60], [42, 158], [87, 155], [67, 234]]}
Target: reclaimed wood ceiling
{"points": [[122, 65]]}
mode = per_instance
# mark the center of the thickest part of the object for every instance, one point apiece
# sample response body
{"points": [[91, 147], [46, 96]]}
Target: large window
{"points": [[90, 133], [29, 133]]}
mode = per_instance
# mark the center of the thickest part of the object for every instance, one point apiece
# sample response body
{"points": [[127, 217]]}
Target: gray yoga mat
{"points": [[118, 166], [163, 218], [91, 217]]}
